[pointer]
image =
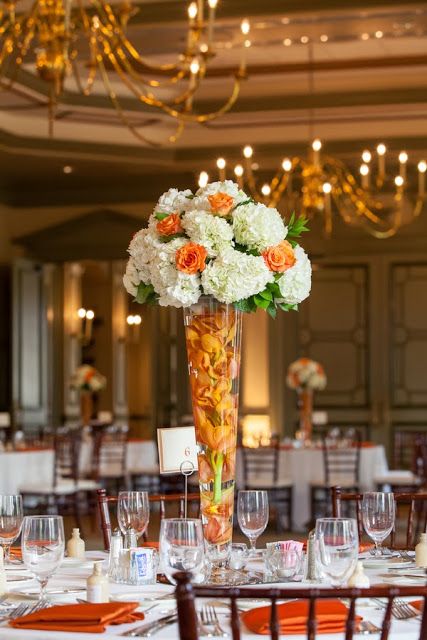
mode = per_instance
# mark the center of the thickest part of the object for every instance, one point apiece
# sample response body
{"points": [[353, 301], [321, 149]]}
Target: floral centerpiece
{"points": [[306, 376], [88, 381], [217, 253]]}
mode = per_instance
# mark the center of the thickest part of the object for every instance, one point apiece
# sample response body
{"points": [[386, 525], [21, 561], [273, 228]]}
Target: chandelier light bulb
{"points": [[220, 163], [90, 314], [286, 164], [192, 10], [238, 170], [130, 319], [81, 313], [194, 66], [403, 157], [364, 169], [326, 187], [422, 166], [287, 42], [379, 34], [304, 39], [381, 149], [366, 156], [245, 27], [324, 38], [316, 145], [137, 319], [248, 151], [265, 190], [213, 4], [398, 181], [203, 179], [365, 36]]}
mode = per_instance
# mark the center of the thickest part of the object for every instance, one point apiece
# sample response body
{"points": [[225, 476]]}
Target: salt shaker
{"points": [[76, 546], [421, 552], [116, 546], [311, 572], [131, 541], [359, 578]]}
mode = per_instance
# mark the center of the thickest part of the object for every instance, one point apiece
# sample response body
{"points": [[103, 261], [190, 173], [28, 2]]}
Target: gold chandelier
{"points": [[52, 34], [379, 200]]}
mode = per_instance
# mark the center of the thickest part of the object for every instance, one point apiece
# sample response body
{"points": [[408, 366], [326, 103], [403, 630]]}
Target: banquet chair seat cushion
{"points": [[397, 477], [331, 616], [267, 482], [63, 487]]}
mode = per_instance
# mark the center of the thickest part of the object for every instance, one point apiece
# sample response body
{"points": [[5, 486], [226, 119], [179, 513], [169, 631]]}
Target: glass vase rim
{"points": [[43, 517], [182, 520]]}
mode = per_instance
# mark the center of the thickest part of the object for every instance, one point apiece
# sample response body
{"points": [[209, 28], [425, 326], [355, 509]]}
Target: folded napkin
{"points": [[331, 616], [155, 545], [363, 546], [16, 552], [89, 618]]}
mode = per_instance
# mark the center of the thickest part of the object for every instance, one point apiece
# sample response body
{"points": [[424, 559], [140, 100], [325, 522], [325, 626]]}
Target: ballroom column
{"points": [[73, 272], [119, 302]]}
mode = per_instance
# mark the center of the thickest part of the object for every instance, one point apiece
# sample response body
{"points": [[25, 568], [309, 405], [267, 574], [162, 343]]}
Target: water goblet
{"points": [[182, 547], [133, 514], [283, 564], [252, 514], [338, 547], [378, 516], [11, 517], [43, 548]]}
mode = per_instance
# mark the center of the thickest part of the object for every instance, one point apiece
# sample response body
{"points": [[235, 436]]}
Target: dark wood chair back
{"points": [[412, 506], [261, 461], [186, 595], [109, 453], [405, 443], [66, 443], [106, 502], [341, 464]]}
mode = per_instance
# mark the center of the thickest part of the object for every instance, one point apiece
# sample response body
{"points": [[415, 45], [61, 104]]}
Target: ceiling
{"points": [[361, 78]]}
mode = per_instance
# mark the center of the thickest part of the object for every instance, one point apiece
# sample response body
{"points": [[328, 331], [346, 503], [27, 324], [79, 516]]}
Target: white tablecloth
{"points": [[19, 468], [305, 467], [76, 577]]}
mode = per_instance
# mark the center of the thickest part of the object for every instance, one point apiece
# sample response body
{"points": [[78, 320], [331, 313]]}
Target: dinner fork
{"points": [[400, 609], [209, 618]]}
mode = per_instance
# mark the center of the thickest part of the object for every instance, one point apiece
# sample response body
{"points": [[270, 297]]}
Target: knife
{"points": [[147, 630]]}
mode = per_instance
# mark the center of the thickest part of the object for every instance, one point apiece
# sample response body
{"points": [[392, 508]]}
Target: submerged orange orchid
{"points": [[213, 342]]}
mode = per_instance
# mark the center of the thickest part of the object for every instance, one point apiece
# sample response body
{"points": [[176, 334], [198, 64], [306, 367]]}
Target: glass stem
{"points": [[43, 585], [6, 553], [253, 545]]}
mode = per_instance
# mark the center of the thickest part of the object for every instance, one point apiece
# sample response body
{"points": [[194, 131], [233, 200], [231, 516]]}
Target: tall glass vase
{"points": [[86, 407], [213, 336], [305, 407]]}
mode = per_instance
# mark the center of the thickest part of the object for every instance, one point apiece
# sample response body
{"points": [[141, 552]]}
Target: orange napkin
{"points": [[155, 545], [16, 552], [331, 616], [363, 546], [82, 618]]}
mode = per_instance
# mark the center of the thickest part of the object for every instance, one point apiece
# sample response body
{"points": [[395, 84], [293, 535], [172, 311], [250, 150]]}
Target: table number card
{"points": [[177, 445]]}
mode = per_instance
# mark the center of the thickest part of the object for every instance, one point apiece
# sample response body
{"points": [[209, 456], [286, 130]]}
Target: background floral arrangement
{"points": [[306, 374], [87, 378], [218, 242]]}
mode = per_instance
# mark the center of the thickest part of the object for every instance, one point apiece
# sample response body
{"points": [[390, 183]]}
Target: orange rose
{"points": [[170, 225], [279, 258], [191, 258], [221, 203]]}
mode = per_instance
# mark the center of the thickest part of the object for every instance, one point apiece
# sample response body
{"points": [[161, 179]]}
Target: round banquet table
{"points": [[75, 577], [304, 467], [19, 468]]}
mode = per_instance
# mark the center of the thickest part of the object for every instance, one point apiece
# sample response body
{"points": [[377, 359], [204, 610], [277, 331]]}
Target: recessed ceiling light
{"points": [[304, 39], [67, 168], [379, 34], [287, 42], [285, 21], [324, 38], [365, 36]]}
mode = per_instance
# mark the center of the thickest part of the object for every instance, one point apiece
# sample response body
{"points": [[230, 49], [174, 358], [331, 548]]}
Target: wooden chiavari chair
{"points": [[105, 502], [186, 595], [413, 506], [109, 457]]}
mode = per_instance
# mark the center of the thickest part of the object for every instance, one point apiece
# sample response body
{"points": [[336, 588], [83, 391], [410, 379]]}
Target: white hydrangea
{"points": [[258, 227], [173, 201], [213, 232], [141, 250], [234, 276], [174, 288], [295, 283], [201, 202], [131, 278]]}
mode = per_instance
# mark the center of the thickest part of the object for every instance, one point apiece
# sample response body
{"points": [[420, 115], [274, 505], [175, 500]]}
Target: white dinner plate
{"points": [[384, 561], [52, 594], [145, 594], [11, 577]]}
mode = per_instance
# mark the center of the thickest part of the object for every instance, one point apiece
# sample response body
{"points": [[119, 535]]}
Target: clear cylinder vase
{"points": [[305, 407], [86, 407], [213, 336]]}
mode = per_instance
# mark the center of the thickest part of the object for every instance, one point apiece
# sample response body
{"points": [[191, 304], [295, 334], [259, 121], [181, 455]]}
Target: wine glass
{"points": [[11, 517], [338, 548], [133, 513], [182, 547], [378, 515], [43, 548], [252, 514]]}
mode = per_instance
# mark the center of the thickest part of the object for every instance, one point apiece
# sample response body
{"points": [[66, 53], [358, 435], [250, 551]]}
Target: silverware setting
{"points": [[148, 630], [208, 617], [23, 609], [366, 628], [401, 610]]}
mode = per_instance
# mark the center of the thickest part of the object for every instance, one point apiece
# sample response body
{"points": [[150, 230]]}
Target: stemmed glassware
{"points": [[133, 512], [252, 514], [43, 548], [182, 547], [11, 517], [378, 516], [338, 547]]}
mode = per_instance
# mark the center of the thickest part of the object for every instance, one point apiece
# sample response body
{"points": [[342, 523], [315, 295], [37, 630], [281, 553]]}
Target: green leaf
{"points": [[261, 302], [161, 216], [241, 204], [246, 305], [287, 307], [167, 239], [271, 310], [145, 293], [266, 294], [297, 226]]}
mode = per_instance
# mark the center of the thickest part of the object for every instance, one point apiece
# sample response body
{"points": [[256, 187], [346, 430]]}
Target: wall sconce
{"points": [[86, 316], [134, 322], [256, 430]]}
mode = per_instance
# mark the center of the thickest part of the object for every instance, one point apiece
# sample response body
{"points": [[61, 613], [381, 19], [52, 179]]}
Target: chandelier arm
{"points": [[20, 46], [120, 112]]}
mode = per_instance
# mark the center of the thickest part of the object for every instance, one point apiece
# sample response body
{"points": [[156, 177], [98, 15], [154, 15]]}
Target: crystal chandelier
{"points": [[379, 200], [53, 33]]}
